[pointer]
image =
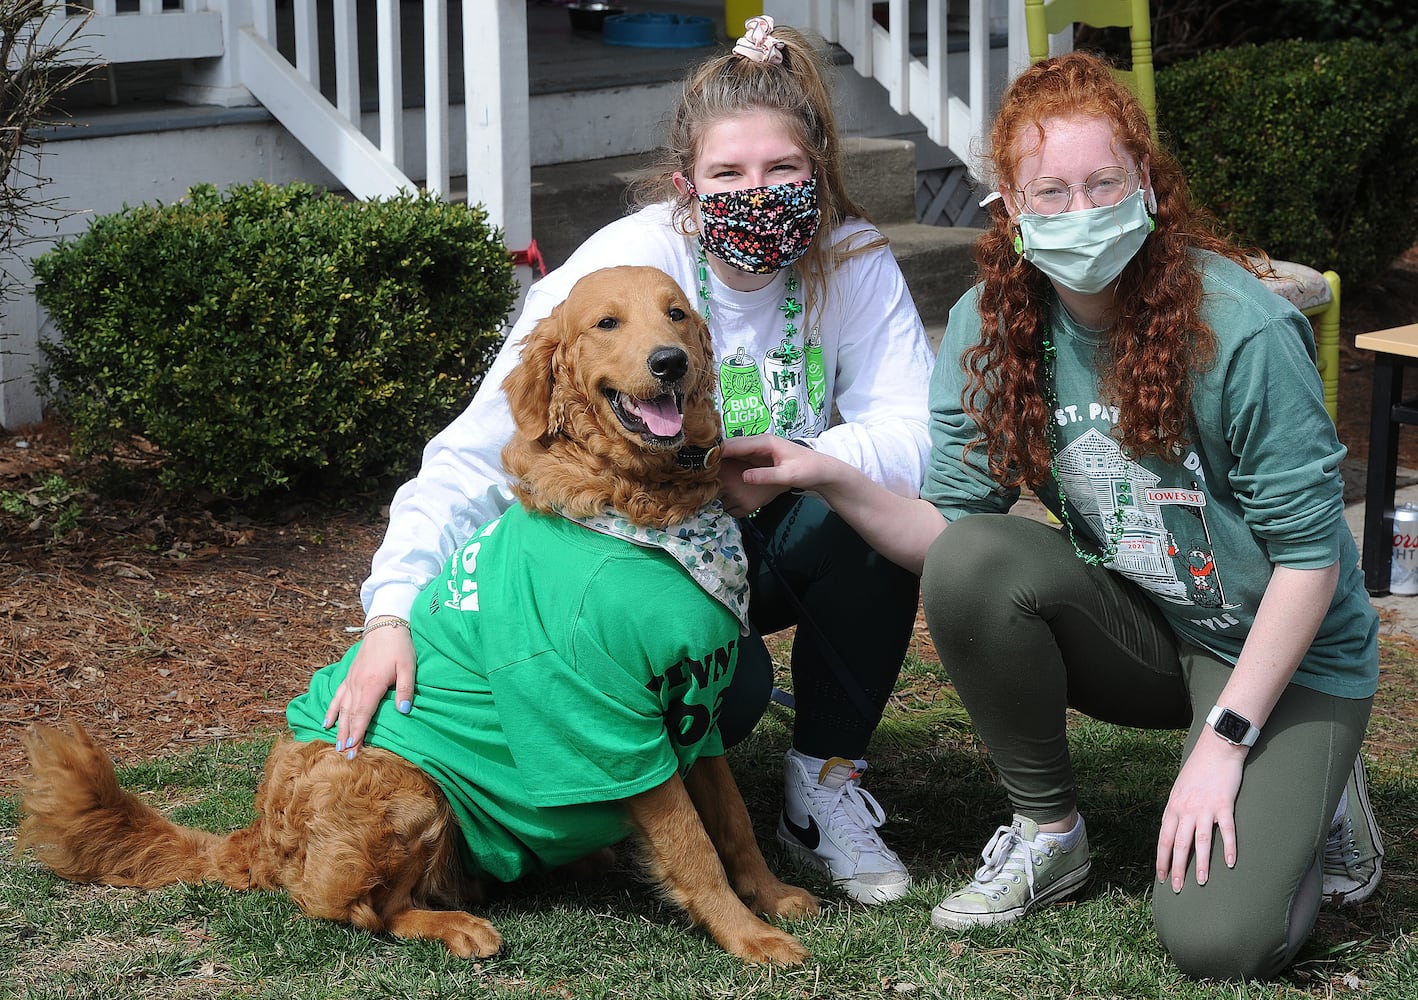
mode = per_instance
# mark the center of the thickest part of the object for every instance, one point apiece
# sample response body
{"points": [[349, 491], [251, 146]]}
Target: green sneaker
{"points": [[1023, 869], [1353, 854]]}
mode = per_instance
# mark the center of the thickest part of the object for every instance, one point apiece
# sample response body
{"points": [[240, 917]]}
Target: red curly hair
{"points": [[1156, 338]]}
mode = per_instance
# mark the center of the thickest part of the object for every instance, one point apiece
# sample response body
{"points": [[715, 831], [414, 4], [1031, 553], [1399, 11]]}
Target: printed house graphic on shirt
{"points": [[1176, 564]]}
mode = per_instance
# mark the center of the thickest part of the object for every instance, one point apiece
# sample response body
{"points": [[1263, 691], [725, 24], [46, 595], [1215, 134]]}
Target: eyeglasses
{"points": [[1105, 186]]}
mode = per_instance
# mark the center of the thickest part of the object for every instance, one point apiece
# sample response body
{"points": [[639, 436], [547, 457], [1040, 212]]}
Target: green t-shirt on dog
{"points": [[559, 670]]}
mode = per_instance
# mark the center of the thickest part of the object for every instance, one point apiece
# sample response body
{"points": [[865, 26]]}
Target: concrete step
{"points": [[938, 263], [570, 201], [881, 176]]}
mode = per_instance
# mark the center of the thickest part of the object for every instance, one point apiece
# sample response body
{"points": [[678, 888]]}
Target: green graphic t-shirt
{"points": [[559, 670]]}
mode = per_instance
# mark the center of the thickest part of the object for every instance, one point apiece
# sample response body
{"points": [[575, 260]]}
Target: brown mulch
{"points": [[156, 628], [161, 627]]}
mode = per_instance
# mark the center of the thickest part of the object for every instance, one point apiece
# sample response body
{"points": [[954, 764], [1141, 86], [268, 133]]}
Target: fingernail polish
{"points": [[406, 706], [350, 755], [339, 745]]}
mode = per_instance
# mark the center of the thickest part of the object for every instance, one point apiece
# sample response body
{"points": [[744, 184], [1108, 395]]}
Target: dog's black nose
{"points": [[668, 364]]}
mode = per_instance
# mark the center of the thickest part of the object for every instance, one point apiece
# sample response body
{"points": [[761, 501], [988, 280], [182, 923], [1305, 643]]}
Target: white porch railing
{"points": [[950, 90], [301, 60], [127, 33]]}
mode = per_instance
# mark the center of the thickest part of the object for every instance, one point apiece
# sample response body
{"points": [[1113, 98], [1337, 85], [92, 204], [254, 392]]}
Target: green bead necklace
{"points": [[1115, 534], [791, 307]]}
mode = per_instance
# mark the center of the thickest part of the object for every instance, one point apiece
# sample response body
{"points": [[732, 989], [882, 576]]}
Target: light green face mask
{"points": [[1086, 250]]}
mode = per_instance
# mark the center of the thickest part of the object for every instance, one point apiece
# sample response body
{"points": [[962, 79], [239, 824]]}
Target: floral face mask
{"points": [[759, 230]]}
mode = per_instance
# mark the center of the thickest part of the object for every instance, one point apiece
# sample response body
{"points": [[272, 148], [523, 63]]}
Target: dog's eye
{"points": [[609, 323], [676, 313]]}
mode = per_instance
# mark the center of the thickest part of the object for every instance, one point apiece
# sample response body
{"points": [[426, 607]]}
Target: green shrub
{"points": [[1307, 150], [274, 337], [1183, 29], [1319, 20]]}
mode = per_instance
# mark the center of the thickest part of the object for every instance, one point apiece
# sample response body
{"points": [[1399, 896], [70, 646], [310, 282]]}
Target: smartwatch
{"points": [[1231, 727]]}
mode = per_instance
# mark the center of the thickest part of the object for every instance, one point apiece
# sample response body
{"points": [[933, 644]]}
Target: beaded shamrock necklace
{"points": [[791, 307], [1115, 533]]}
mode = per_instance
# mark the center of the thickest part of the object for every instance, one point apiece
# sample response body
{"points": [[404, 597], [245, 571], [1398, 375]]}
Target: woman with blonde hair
{"points": [[810, 317]]}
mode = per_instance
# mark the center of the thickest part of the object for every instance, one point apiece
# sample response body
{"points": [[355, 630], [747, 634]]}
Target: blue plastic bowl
{"points": [[654, 30]]}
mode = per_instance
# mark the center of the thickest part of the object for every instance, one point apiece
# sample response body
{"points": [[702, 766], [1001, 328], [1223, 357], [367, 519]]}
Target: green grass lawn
{"points": [[613, 937]]}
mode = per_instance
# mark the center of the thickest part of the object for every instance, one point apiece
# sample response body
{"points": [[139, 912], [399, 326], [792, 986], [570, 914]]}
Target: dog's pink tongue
{"points": [[660, 414]]}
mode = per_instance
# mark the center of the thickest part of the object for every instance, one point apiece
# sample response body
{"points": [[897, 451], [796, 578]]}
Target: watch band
{"points": [[1232, 727]]}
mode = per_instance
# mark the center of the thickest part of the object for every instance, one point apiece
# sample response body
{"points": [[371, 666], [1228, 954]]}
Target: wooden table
{"points": [[1394, 350]]}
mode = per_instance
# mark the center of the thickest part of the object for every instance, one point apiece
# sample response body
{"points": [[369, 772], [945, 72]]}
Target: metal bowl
{"points": [[590, 15]]}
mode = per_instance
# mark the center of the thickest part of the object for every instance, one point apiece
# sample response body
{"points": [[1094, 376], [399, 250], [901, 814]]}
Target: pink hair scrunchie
{"points": [[758, 43]]}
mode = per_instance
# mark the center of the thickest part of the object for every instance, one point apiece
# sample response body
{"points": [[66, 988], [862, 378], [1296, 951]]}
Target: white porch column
{"points": [[498, 121], [218, 81]]}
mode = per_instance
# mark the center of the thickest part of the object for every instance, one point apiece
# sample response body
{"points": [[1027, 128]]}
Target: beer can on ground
{"points": [[1403, 576]]}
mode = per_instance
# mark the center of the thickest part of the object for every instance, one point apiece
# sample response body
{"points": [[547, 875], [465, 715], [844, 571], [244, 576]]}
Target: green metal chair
{"points": [[1044, 19], [1314, 293]]}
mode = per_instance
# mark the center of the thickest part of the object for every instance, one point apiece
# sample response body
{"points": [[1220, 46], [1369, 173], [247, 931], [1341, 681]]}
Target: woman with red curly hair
{"points": [[1128, 366]]}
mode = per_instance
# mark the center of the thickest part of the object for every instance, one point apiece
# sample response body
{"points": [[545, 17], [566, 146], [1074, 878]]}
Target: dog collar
{"points": [[693, 457]]}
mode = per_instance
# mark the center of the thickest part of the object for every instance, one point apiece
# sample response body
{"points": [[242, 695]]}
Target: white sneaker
{"points": [[1023, 869], [829, 823], [1354, 852]]}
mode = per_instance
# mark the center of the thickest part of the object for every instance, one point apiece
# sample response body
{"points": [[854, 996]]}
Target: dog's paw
{"points": [[778, 899], [790, 901], [468, 936], [766, 945], [462, 933]]}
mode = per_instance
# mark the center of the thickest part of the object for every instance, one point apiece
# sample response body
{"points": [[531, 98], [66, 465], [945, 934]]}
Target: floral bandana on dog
{"points": [[708, 545], [759, 230]]}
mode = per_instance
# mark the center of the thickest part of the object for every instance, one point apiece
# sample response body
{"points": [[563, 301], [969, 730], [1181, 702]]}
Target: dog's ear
{"points": [[706, 344], [701, 404], [530, 385]]}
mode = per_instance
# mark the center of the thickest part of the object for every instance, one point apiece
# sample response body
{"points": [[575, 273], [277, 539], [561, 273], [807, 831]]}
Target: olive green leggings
{"points": [[1026, 629]]}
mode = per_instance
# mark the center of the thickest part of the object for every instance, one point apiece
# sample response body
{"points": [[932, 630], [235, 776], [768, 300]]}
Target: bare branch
{"points": [[42, 55]]}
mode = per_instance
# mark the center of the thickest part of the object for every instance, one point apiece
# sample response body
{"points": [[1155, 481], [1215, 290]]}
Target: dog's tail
{"points": [[83, 825]]}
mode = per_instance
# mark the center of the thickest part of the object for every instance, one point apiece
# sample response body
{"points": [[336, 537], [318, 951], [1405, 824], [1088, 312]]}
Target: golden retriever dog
{"points": [[613, 401]]}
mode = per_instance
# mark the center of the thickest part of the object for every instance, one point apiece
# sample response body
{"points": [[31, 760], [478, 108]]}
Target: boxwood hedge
{"points": [[271, 338], [1308, 150]]}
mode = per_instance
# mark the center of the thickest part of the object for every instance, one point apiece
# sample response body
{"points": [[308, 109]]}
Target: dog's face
{"points": [[618, 378], [625, 343]]}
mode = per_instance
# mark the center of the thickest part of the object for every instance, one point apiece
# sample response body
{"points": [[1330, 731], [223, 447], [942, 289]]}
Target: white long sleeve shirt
{"points": [[866, 403]]}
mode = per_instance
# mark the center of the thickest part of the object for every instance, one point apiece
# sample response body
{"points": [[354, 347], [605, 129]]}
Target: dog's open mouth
{"points": [[660, 420]]}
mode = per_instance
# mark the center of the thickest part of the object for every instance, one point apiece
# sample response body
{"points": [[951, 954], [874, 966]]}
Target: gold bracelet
{"points": [[379, 621]]}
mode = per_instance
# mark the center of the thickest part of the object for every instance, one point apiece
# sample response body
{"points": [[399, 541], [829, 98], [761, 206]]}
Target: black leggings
{"points": [[859, 612]]}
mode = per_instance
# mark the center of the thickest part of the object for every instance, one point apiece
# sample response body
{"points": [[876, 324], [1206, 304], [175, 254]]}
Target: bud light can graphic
{"points": [[816, 372], [783, 384], [741, 396]]}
